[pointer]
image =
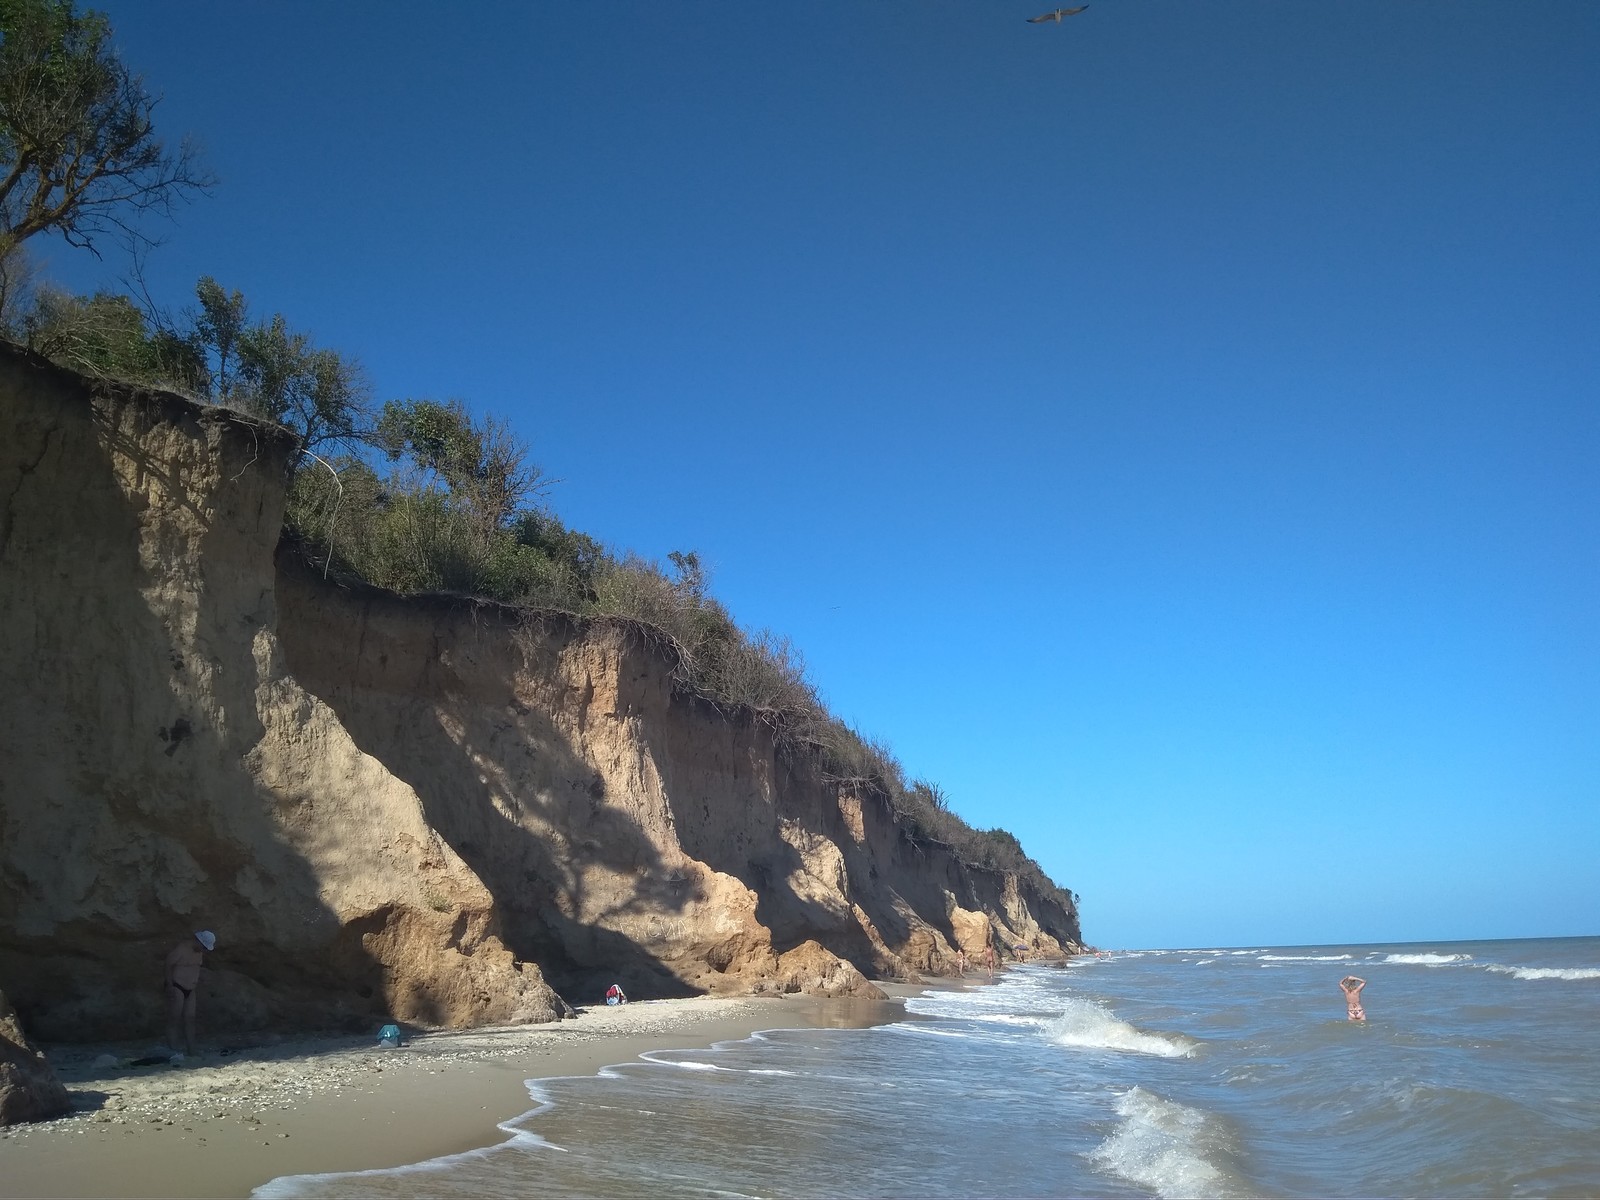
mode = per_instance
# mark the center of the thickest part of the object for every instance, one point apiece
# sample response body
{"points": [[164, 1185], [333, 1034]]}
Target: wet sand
{"points": [[222, 1125]]}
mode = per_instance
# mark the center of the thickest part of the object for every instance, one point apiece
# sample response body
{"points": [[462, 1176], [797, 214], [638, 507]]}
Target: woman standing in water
{"points": [[1351, 986]]}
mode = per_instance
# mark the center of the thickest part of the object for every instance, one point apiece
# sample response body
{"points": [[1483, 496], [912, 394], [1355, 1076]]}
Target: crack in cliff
{"points": [[23, 472]]}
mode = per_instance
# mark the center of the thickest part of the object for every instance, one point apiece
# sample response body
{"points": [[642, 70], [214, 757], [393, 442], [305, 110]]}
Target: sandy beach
{"points": [[223, 1124]]}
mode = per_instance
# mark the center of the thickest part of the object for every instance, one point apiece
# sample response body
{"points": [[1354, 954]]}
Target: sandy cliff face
{"points": [[626, 831], [383, 805], [160, 771]]}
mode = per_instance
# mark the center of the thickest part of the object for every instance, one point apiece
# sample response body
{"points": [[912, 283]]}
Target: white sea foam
{"points": [[1426, 960], [1167, 1147], [1085, 1023], [1305, 958], [1022, 991], [292, 1187], [922, 1030], [1546, 972], [1016, 1019]]}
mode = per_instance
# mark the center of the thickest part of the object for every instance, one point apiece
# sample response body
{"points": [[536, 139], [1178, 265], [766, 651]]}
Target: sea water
{"points": [[1219, 1072]]}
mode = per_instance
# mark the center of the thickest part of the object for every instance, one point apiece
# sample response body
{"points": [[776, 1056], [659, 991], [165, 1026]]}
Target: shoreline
{"points": [[226, 1124]]}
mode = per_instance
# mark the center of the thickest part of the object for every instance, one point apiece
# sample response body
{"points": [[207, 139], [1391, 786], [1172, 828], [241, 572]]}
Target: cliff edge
{"points": [[412, 807]]}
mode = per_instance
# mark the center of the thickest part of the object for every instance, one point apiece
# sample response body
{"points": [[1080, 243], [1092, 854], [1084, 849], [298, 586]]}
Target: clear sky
{"points": [[1175, 430]]}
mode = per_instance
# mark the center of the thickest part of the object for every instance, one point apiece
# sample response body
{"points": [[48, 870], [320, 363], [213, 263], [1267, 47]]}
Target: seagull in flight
{"points": [[1057, 15]]}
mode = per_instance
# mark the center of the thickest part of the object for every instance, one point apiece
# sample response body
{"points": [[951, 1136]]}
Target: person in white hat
{"points": [[183, 980]]}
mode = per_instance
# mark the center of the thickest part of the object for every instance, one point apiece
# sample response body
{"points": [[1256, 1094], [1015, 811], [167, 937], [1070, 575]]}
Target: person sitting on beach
{"points": [[615, 995], [1351, 986], [184, 964]]}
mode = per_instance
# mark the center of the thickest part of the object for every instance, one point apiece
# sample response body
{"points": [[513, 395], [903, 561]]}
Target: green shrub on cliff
{"points": [[214, 353], [106, 336], [403, 535]]}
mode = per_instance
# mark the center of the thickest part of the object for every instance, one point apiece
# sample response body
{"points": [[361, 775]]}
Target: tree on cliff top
{"points": [[482, 463], [273, 370], [78, 149]]}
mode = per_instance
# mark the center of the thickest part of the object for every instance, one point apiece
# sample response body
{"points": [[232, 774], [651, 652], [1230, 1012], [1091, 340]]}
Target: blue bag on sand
{"points": [[389, 1036]]}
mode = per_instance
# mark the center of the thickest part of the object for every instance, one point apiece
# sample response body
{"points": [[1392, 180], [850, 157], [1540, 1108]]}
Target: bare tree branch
{"points": [[77, 140]]}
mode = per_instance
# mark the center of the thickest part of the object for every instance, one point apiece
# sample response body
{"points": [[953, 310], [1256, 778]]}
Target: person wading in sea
{"points": [[1351, 986], [183, 980]]}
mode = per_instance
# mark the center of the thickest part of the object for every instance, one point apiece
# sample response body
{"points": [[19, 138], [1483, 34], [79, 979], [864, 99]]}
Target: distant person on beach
{"points": [[988, 960], [182, 981], [961, 963], [1351, 986]]}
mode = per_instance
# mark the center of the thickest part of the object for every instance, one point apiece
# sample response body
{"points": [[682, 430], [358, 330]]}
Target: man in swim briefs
{"points": [[183, 979], [1351, 986]]}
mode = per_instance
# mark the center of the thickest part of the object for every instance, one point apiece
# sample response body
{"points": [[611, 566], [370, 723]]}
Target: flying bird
{"points": [[1057, 15]]}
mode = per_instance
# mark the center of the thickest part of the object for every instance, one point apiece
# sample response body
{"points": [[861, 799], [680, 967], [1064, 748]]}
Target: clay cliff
{"points": [[430, 808]]}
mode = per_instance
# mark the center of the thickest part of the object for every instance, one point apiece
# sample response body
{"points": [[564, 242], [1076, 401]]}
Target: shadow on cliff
{"points": [[458, 749], [129, 818], [537, 891]]}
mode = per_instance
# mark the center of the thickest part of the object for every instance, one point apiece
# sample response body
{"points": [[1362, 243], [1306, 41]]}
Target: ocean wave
{"points": [[1546, 972], [1085, 1023], [658, 1058], [1024, 1019], [1426, 960], [396, 1181], [1305, 958], [926, 1030], [1019, 993], [1169, 1148]]}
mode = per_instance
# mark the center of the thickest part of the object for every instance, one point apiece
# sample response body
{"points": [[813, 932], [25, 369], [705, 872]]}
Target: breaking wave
{"points": [[1546, 972], [1426, 960], [1085, 1023], [1169, 1148]]}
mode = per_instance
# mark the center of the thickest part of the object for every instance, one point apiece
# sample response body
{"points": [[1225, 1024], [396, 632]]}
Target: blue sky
{"points": [[1175, 431]]}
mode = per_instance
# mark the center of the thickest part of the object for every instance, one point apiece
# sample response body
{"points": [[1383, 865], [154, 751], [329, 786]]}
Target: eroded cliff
{"points": [[414, 807]]}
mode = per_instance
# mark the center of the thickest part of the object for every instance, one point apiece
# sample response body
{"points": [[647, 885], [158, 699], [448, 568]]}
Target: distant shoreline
{"points": [[227, 1125]]}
